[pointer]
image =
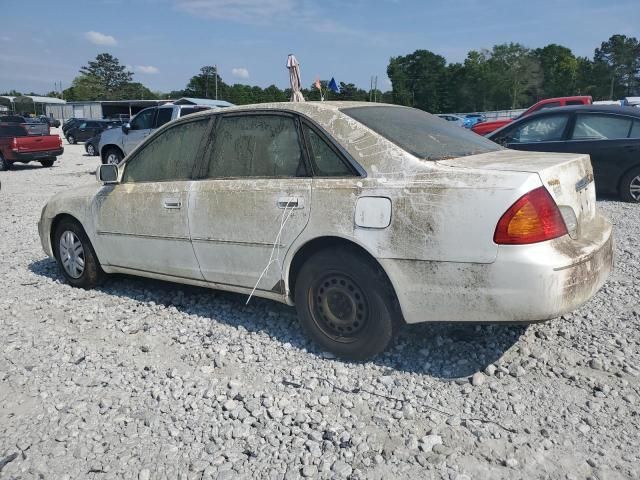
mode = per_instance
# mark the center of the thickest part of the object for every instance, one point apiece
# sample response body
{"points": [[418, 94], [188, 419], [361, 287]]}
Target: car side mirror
{"points": [[125, 128], [107, 174]]}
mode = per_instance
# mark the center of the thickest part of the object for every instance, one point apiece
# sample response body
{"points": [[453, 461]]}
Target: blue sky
{"points": [[165, 42]]}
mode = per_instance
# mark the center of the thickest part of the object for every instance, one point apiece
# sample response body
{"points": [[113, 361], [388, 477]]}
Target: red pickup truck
{"points": [[485, 128], [18, 145]]}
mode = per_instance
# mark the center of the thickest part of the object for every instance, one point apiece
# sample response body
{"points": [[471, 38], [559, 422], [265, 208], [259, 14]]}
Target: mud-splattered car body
{"points": [[429, 224]]}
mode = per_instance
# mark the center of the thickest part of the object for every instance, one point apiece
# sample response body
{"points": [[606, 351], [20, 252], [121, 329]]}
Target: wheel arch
{"points": [[309, 248], [105, 149], [55, 221]]}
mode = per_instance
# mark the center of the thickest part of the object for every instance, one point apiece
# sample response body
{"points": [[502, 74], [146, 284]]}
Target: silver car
{"points": [[364, 216]]}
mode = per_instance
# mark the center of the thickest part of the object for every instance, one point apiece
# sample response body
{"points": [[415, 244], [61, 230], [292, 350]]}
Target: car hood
{"points": [[73, 201]]}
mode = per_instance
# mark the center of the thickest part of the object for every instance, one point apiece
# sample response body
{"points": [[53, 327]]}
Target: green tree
{"points": [[419, 80], [85, 87], [203, 85], [559, 69], [521, 75], [107, 69], [620, 58]]}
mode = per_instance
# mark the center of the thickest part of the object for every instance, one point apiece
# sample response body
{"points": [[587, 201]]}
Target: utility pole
{"points": [[206, 84], [216, 66], [370, 87]]}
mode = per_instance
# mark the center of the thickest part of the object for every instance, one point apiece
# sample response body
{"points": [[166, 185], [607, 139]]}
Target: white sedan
{"points": [[363, 216]]}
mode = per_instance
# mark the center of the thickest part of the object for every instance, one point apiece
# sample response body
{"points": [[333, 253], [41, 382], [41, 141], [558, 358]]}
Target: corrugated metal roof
{"points": [[37, 99], [203, 101]]}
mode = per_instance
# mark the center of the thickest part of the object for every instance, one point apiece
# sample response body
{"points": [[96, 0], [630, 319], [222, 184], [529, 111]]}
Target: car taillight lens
{"points": [[14, 144], [535, 217]]}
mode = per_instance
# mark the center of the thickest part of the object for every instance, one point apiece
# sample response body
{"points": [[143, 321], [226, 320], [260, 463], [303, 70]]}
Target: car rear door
{"points": [[142, 222], [541, 133], [605, 137], [252, 201]]}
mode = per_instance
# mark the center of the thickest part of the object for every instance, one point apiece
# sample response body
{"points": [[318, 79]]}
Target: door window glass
{"points": [[256, 146], [83, 125], [549, 105], [635, 130], [575, 102], [326, 161], [169, 156], [143, 120], [541, 129], [600, 127], [164, 116]]}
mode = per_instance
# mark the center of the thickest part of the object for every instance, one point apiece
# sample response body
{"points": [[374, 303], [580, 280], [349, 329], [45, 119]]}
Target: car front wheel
{"points": [[75, 255], [346, 304], [91, 149], [71, 139], [630, 186], [112, 157]]}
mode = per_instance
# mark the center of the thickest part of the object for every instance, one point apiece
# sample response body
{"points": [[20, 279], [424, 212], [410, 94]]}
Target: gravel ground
{"points": [[144, 380]]}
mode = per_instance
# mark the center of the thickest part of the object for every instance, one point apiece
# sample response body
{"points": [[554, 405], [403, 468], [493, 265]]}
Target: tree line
{"points": [[507, 76]]}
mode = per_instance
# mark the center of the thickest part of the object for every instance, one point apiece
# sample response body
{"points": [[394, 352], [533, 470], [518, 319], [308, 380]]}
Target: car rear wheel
{"points": [[346, 304], [630, 186], [71, 139], [75, 255], [47, 162], [4, 164], [91, 150]]}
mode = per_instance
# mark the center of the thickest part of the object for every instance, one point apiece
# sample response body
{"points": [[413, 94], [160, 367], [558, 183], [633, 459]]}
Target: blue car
{"points": [[473, 118]]}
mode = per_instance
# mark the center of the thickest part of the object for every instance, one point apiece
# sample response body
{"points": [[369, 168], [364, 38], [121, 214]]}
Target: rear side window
{"points": [[256, 146], [189, 110], [601, 127], [169, 156], [575, 102], [635, 130], [549, 105], [164, 116], [12, 131], [326, 162], [420, 133]]}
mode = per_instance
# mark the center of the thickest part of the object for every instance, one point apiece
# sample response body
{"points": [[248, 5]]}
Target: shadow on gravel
{"points": [[24, 167], [445, 351]]}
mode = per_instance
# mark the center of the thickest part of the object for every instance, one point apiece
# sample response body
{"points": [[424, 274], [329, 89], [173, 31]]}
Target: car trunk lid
{"points": [[567, 177]]}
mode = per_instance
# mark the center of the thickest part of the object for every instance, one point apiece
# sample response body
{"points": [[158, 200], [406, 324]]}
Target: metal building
{"points": [[100, 109]]}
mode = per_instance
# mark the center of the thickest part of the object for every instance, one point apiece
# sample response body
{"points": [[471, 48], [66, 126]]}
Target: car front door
{"points": [[252, 201], [542, 133], [139, 128], [142, 222]]}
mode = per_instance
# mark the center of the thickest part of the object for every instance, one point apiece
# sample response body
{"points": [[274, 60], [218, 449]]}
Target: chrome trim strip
{"points": [[154, 237], [235, 242]]}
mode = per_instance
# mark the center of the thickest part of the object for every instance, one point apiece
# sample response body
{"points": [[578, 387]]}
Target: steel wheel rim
{"points": [[70, 139], [71, 254], [112, 159], [339, 307], [634, 188], [90, 149]]}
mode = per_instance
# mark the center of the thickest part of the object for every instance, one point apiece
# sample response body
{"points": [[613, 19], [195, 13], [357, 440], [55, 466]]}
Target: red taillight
{"points": [[14, 144], [535, 217]]}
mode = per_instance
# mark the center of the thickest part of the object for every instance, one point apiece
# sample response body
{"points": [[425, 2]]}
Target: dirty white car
{"points": [[362, 216]]}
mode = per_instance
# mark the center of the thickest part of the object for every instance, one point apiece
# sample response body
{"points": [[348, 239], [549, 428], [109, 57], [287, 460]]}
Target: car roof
{"points": [[631, 111]]}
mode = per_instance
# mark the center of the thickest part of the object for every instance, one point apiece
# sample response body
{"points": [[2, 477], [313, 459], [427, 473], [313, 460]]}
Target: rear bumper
{"points": [[31, 156], [526, 283]]}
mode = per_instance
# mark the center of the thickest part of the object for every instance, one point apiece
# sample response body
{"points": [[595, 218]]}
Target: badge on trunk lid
{"points": [[584, 182]]}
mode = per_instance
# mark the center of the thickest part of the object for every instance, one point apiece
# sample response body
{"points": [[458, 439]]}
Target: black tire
{"points": [[630, 186], [48, 162], [91, 150], [112, 155], [346, 304], [92, 274], [4, 164], [71, 139]]}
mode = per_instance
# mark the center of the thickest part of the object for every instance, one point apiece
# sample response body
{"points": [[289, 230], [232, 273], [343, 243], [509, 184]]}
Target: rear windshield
{"points": [[12, 131], [420, 133]]}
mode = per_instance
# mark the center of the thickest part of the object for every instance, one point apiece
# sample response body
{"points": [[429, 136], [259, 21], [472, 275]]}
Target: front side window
{"points": [[600, 127], [421, 133], [542, 129], [168, 156], [256, 146], [326, 162], [164, 116], [144, 120]]}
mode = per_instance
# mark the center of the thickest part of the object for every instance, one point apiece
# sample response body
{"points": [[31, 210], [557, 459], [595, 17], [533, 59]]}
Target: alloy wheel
{"points": [[634, 188], [72, 254]]}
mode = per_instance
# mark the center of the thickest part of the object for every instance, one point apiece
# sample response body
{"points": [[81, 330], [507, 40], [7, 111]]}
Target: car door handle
{"points": [[291, 202], [172, 204]]}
